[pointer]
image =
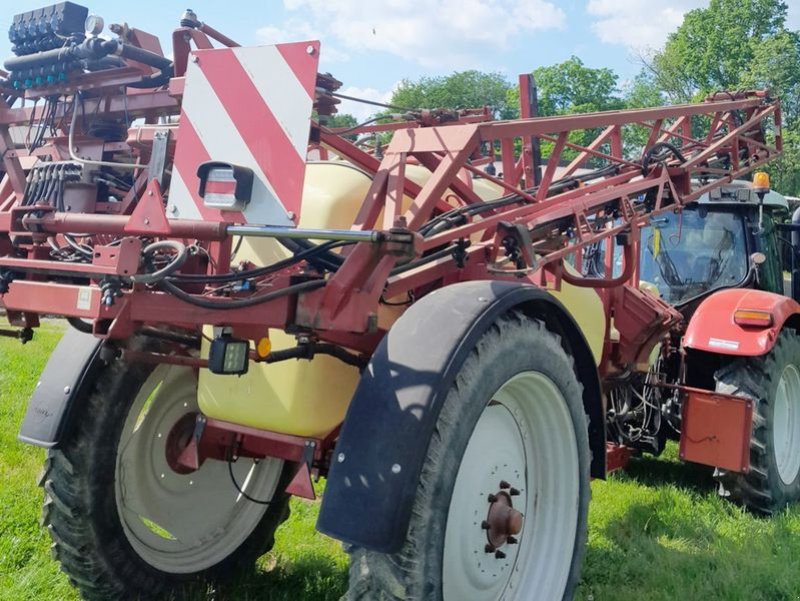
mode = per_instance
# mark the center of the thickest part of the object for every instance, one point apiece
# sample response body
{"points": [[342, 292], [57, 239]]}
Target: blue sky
{"points": [[372, 45]]}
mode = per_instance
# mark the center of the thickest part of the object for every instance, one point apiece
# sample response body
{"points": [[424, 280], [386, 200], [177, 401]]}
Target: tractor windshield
{"points": [[687, 254]]}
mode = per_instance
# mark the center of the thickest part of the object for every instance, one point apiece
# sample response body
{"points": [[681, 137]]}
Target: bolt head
{"points": [[491, 498], [513, 492], [485, 525], [511, 540], [499, 554], [489, 548], [396, 469], [310, 50], [504, 485], [67, 389], [340, 457]]}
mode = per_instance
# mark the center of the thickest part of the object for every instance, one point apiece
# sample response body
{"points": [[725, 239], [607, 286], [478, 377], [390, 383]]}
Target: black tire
{"points": [[762, 489], [81, 514], [514, 344]]}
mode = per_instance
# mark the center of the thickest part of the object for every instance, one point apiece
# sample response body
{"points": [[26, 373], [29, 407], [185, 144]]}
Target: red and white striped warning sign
{"points": [[249, 107]]}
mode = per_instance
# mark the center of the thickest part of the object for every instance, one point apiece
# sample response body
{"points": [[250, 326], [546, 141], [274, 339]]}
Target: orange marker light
{"points": [[748, 317], [263, 348]]}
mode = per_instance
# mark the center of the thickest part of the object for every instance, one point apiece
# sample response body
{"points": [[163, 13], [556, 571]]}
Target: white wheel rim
{"points": [[525, 437], [178, 523], [786, 425]]}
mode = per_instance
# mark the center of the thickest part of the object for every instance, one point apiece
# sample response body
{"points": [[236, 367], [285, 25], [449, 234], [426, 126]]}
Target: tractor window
{"points": [[690, 253]]}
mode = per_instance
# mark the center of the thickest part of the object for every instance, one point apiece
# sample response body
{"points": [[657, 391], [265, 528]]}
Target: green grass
{"points": [[657, 532]]}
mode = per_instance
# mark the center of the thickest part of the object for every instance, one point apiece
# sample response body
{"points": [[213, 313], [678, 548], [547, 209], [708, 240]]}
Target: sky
{"points": [[372, 45]]}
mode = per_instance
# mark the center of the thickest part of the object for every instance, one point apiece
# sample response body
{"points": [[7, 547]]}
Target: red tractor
{"points": [[456, 351]]}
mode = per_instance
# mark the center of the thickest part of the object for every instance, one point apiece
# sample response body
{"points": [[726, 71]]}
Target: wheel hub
{"points": [[503, 522]]}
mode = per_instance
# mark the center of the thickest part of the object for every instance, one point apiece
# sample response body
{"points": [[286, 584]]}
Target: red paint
{"points": [[257, 125], [299, 59], [712, 327], [617, 457], [716, 429]]}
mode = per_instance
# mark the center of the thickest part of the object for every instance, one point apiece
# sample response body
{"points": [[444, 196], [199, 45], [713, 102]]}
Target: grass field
{"points": [[657, 532]]}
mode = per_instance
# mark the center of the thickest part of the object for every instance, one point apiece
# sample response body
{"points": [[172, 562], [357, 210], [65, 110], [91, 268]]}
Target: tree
{"points": [[572, 87], [731, 45], [464, 89], [715, 46]]}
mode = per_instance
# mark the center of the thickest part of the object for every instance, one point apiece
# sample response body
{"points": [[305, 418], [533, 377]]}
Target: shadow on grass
{"points": [[655, 471], [308, 578]]}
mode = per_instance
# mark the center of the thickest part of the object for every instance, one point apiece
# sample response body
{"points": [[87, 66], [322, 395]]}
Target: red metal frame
{"points": [[721, 139]]}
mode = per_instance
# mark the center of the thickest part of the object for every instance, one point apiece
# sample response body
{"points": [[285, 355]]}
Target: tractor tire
{"points": [[772, 381], [512, 432], [125, 525]]}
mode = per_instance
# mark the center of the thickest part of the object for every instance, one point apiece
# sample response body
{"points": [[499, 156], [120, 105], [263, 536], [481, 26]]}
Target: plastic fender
{"points": [[69, 368], [377, 462], [713, 330]]}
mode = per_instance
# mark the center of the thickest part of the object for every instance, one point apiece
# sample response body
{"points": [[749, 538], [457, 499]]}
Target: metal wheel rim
{"points": [[182, 524], [786, 425], [526, 437]]}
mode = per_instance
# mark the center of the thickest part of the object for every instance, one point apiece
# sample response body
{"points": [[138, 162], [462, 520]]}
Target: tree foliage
{"points": [[731, 45], [464, 89]]}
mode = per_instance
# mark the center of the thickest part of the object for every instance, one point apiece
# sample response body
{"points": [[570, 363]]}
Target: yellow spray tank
{"points": [[310, 398]]}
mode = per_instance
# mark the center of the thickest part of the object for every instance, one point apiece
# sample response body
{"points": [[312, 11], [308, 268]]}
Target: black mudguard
{"points": [[379, 457], [68, 370]]}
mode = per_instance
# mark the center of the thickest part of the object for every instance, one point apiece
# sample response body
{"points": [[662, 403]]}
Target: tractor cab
{"points": [[726, 239]]}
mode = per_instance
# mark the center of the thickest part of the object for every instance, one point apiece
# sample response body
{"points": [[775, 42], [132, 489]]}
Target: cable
{"points": [[239, 488], [172, 267], [260, 271], [372, 102], [649, 155], [242, 303], [354, 128]]}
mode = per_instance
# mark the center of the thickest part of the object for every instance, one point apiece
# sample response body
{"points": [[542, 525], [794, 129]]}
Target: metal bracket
{"points": [[158, 158], [301, 485]]}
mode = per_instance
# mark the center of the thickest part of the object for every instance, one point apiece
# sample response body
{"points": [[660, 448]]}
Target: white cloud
{"points": [[296, 30], [359, 110], [638, 24], [455, 34]]}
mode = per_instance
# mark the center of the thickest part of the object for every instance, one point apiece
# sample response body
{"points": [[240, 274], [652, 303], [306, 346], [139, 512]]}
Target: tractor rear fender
{"points": [[379, 457], [713, 327], [71, 367]]}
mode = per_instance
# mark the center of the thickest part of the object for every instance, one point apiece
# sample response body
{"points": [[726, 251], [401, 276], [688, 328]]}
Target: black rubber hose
{"points": [[655, 148], [228, 304]]}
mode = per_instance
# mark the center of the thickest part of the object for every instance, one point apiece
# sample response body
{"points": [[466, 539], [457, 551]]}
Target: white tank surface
{"points": [[310, 398]]}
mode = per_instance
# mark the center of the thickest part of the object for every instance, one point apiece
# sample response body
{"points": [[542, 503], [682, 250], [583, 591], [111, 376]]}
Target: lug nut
{"points": [[513, 492], [511, 540], [504, 485], [499, 555], [485, 525], [489, 548]]}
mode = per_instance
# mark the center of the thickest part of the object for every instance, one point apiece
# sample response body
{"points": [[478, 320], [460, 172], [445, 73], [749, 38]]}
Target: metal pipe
{"points": [[265, 231]]}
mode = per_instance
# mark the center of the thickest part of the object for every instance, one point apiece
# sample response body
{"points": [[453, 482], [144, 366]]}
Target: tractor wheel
{"points": [[773, 382], [124, 524], [502, 501]]}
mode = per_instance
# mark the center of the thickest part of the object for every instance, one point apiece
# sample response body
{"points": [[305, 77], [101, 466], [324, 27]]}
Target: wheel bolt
{"points": [[504, 485], [485, 525], [492, 498], [511, 540], [499, 554], [513, 492], [489, 548]]}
